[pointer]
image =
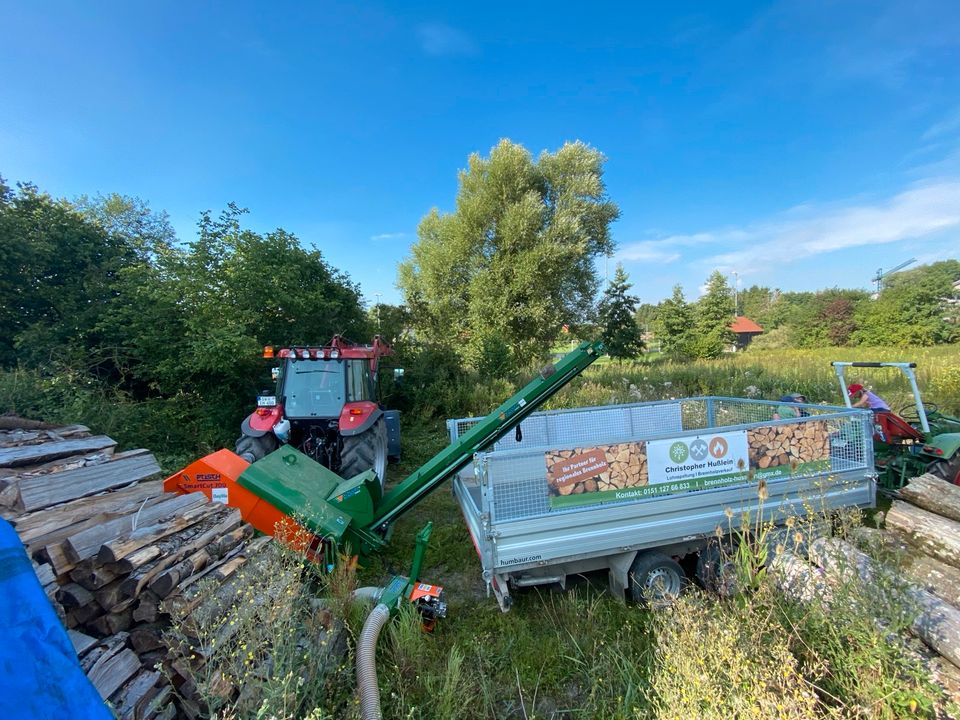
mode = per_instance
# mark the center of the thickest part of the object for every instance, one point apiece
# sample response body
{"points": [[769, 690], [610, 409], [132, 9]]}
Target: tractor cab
{"points": [[916, 439], [325, 404]]}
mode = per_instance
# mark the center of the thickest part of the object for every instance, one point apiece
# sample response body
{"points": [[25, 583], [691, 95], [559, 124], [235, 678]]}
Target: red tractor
{"points": [[326, 405]]}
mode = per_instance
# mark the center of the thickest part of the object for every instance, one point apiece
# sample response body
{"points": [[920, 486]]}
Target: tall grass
{"points": [[771, 374]]}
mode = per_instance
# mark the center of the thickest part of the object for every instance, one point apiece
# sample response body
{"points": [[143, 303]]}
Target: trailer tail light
{"points": [[268, 351]]}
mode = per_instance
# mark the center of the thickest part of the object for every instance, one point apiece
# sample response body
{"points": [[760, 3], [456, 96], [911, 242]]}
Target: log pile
{"points": [[922, 527], [117, 557], [778, 445]]}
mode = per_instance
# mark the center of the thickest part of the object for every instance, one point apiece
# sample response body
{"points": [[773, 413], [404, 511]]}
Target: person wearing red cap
{"points": [[860, 397]]}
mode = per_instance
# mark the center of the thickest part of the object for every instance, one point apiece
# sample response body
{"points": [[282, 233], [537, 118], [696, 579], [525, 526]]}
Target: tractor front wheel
{"points": [[949, 470], [365, 451], [252, 449]]}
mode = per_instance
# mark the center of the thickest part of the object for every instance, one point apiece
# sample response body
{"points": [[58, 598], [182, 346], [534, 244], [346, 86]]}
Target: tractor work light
{"points": [[305, 354], [268, 351], [334, 354]]}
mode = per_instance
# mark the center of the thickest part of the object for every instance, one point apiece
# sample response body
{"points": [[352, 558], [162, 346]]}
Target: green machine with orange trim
{"points": [[353, 516]]}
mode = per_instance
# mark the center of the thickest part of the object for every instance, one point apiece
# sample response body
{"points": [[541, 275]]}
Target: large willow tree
{"points": [[498, 277]]}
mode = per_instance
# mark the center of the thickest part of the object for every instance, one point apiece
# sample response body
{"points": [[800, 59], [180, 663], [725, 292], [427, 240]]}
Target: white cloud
{"points": [[947, 126], [809, 230], [388, 236], [914, 213], [440, 39], [647, 251]]}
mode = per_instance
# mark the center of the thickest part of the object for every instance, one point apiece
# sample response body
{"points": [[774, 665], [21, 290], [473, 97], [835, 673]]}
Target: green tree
{"points": [[57, 278], [712, 317], [619, 330], [514, 262], [914, 309], [756, 303], [674, 325], [196, 317]]}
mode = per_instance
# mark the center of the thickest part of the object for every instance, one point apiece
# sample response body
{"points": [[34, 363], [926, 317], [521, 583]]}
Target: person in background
{"points": [[789, 410], [860, 397]]}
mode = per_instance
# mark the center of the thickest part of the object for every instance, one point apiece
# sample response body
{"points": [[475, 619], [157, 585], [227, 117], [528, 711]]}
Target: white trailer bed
{"points": [[594, 488]]}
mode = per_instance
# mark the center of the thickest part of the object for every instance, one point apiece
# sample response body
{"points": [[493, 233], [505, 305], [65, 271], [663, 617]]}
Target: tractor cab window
{"points": [[313, 389], [358, 381]]}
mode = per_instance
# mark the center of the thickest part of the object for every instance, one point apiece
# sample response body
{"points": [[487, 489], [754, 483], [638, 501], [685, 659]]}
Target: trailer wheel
{"points": [[716, 571], [949, 470], [656, 580], [365, 451], [252, 449]]}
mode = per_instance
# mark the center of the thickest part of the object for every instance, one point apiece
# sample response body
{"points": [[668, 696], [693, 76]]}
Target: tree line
{"points": [[918, 307], [100, 290]]}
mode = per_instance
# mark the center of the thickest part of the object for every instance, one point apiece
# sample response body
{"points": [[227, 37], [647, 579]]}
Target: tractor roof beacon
{"points": [[326, 404], [918, 439]]}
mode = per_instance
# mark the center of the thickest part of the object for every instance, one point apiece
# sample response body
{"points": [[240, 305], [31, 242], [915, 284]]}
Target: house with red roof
{"points": [[745, 329]]}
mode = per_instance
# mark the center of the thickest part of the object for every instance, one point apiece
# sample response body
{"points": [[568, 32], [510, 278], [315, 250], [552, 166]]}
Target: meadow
{"points": [[580, 653], [583, 654]]}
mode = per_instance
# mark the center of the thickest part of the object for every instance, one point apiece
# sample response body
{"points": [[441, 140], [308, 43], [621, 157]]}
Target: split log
{"points": [[56, 556], [108, 674], [74, 596], [104, 649], [81, 642], [44, 573], [26, 454], [45, 490], [130, 701], [111, 623], [93, 577], [172, 550], [934, 494], [87, 542], [34, 526], [932, 575], [83, 614], [937, 623], [147, 609], [166, 581], [117, 549], [932, 534], [147, 637]]}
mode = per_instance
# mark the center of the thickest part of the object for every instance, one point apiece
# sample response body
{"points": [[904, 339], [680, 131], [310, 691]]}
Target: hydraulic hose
{"points": [[367, 663]]}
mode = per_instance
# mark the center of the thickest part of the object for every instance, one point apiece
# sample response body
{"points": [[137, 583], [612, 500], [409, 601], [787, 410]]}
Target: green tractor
{"points": [[916, 439]]}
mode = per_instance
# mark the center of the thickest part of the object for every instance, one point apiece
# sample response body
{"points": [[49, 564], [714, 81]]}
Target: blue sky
{"points": [[799, 144]]}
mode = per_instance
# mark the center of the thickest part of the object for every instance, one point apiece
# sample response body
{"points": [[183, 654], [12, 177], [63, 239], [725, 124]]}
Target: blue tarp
{"points": [[40, 676]]}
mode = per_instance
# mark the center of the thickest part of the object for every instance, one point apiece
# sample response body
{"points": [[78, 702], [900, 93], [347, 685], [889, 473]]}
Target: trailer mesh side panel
{"points": [[516, 470]]}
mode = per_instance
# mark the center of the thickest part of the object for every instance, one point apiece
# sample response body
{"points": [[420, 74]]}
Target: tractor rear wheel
{"points": [[252, 449], [949, 470], [365, 451]]}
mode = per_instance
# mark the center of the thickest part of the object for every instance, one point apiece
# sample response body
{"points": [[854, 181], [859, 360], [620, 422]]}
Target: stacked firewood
{"points": [[116, 555], [778, 445]]}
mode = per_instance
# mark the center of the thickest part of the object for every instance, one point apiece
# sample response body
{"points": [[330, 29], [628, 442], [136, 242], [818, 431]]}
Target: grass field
{"points": [[582, 654]]}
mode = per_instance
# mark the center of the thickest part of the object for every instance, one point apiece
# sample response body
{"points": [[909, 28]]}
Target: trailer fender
{"points": [[943, 446], [619, 573], [357, 417]]}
